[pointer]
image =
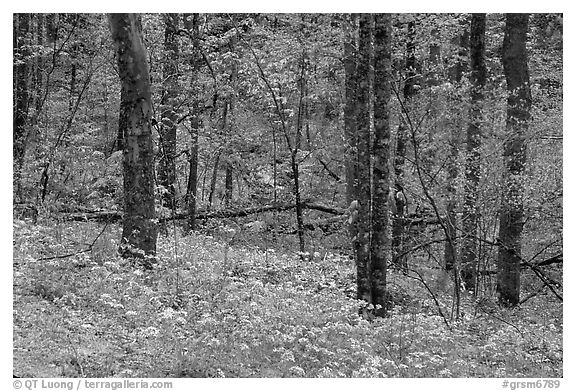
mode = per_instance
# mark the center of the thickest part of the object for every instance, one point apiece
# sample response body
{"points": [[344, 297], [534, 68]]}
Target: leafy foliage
{"points": [[237, 301], [212, 309]]}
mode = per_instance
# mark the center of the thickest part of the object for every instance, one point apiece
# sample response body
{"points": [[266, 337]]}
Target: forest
{"points": [[287, 195]]}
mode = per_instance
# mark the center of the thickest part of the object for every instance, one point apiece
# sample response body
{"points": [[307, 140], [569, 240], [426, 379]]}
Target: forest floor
{"points": [[215, 309]]}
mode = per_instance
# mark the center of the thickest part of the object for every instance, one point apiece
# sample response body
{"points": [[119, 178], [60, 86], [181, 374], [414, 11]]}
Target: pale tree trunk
{"points": [[473, 140], [139, 231], [381, 240], [362, 243], [515, 61], [169, 117]]}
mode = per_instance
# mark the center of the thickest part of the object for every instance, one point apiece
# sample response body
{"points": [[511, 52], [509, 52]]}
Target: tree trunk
{"points": [[381, 241], [139, 231], [294, 158], [350, 85], [192, 24], [228, 186], [214, 179], [515, 61], [362, 243], [38, 66], [169, 117], [21, 93], [230, 128], [433, 75], [473, 139], [455, 124], [298, 201], [400, 152], [192, 188]]}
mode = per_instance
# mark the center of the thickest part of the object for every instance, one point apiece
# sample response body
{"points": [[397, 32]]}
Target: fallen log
{"points": [[95, 215], [331, 224], [114, 216]]}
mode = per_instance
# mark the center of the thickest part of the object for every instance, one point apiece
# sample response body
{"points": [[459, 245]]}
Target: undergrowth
{"points": [[213, 309]]}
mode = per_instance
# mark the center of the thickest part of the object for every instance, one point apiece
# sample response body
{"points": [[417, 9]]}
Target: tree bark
{"points": [[381, 241], [455, 124], [350, 128], [362, 242], [294, 157], [229, 174], [21, 94], [169, 117], [473, 144], [214, 179], [192, 24], [228, 185], [515, 62], [139, 231], [400, 152], [38, 66]]}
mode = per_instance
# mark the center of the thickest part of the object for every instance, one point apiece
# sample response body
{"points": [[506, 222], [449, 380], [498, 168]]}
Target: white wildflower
{"points": [[297, 371]]}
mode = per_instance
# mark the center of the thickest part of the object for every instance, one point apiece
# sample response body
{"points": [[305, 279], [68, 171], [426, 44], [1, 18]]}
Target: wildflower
{"points": [[287, 356], [150, 332], [297, 371], [325, 372], [168, 313], [111, 265]]}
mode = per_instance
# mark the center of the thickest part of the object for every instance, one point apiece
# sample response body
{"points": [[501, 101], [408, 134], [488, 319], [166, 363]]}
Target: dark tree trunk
{"points": [[381, 241], [52, 28], [294, 157], [456, 73], [461, 40], [515, 61], [362, 243], [214, 179], [229, 131], [298, 201], [169, 117], [350, 85], [139, 232], [38, 66], [400, 152], [434, 58], [429, 149], [192, 24], [473, 139], [192, 188], [228, 186], [21, 93]]}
